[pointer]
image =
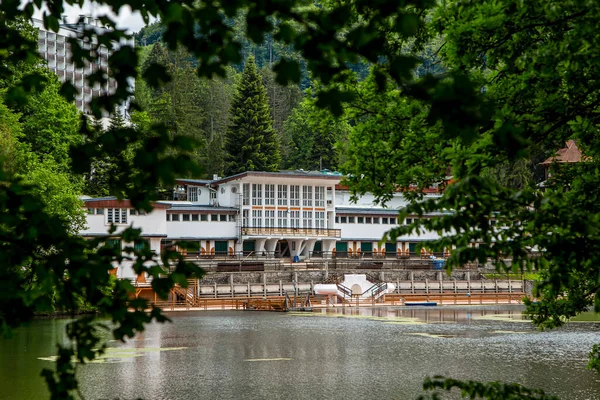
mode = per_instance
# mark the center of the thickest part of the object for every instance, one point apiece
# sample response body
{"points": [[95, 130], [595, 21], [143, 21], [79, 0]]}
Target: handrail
{"points": [[381, 287], [250, 230], [346, 291]]}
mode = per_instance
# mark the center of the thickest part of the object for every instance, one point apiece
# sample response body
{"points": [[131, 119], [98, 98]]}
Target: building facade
{"points": [[54, 47], [293, 215]]}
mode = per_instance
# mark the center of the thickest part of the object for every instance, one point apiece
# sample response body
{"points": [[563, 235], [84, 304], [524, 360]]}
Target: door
{"points": [[318, 249], [390, 250], [366, 249], [341, 249], [248, 247], [221, 247]]}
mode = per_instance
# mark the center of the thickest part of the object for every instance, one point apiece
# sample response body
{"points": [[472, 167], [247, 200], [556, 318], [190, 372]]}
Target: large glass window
{"points": [[257, 218], [282, 195], [294, 195], [295, 219], [116, 215], [270, 218], [270, 195], [282, 218], [307, 219], [246, 194], [257, 194], [320, 219], [245, 217], [307, 196], [319, 196], [193, 193]]}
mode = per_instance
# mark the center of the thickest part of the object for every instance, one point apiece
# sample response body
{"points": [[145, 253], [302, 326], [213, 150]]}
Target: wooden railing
{"points": [[263, 231], [456, 298]]}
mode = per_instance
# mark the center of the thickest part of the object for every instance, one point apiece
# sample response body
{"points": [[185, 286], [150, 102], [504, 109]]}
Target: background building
{"points": [[55, 49]]}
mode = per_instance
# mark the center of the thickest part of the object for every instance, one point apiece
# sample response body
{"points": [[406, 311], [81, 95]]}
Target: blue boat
{"points": [[421, 303]]}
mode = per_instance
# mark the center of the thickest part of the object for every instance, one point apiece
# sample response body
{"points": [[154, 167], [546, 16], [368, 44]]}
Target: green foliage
{"points": [[313, 136], [251, 141], [51, 125], [392, 145]]}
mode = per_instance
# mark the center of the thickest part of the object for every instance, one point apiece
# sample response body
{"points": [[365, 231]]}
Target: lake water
{"points": [[349, 354]]}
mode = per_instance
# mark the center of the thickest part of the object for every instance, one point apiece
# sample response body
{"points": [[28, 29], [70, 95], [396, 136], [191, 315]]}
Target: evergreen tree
{"points": [[251, 142]]}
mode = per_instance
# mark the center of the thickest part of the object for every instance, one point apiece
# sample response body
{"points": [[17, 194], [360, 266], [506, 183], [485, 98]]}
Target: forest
{"points": [[466, 96]]}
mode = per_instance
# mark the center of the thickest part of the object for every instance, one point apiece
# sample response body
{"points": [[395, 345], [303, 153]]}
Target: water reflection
{"points": [[352, 353]]}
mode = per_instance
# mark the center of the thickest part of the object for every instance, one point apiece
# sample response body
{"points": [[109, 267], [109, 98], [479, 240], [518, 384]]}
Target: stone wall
{"points": [[320, 276]]}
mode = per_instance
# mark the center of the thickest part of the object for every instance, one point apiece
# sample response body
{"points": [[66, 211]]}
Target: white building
{"points": [[285, 214], [104, 211], [54, 47]]}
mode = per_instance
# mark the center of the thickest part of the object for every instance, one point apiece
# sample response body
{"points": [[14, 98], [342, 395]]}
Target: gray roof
{"points": [[196, 181], [326, 174], [99, 199], [379, 211], [194, 207], [366, 211]]}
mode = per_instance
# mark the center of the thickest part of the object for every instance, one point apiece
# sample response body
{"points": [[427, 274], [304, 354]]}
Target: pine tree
{"points": [[251, 142]]}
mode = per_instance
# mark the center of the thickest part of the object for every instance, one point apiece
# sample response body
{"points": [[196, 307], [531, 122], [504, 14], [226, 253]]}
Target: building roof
{"points": [[366, 211], [112, 201], [569, 154], [199, 182], [325, 174], [379, 211], [176, 206]]}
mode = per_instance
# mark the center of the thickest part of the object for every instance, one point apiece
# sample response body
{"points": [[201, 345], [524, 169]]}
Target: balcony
{"points": [[319, 232]]}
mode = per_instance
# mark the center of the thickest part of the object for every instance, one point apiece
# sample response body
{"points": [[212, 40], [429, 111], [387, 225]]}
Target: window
{"points": [[350, 220], [213, 196], [203, 217], [168, 217], [384, 220], [408, 221], [193, 193], [257, 194], [91, 211], [282, 195], [307, 196], [113, 243], [282, 218], [117, 215], [185, 217], [245, 217], [223, 217], [231, 218], [99, 211], [141, 244], [337, 220], [174, 217], [368, 220], [257, 218], [195, 217], [214, 217], [307, 219], [319, 196], [294, 195], [361, 220], [320, 219], [270, 218], [393, 221], [295, 219], [375, 220], [343, 220], [246, 194], [270, 195]]}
